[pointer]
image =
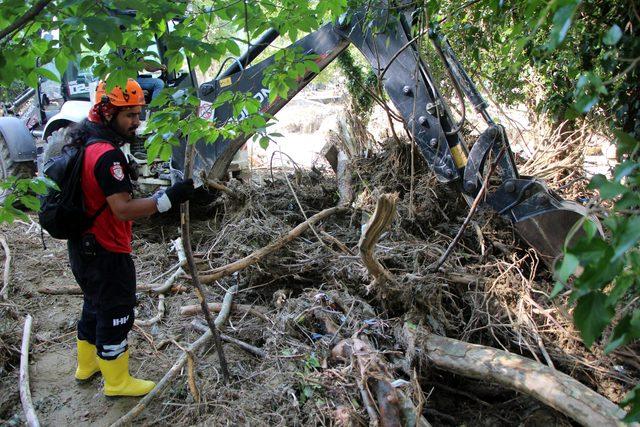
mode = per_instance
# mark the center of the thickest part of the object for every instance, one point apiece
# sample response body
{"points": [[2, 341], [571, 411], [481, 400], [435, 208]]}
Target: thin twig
{"points": [[186, 239]]}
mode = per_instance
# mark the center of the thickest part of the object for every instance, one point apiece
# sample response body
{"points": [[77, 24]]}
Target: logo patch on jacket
{"points": [[116, 171]]}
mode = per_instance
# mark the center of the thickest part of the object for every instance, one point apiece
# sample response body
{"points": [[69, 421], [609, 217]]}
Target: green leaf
{"points": [[626, 235], [47, 74], [622, 284], [561, 24], [632, 399], [590, 228], [569, 264], [624, 169], [626, 331], [608, 189], [612, 36], [31, 202], [232, 47], [61, 62], [626, 144], [557, 288], [628, 200], [313, 361], [38, 186], [264, 142], [591, 316], [87, 62], [307, 391], [165, 152]]}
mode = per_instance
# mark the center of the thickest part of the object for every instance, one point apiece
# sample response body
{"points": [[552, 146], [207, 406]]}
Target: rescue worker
{"points": [[101, 260]]}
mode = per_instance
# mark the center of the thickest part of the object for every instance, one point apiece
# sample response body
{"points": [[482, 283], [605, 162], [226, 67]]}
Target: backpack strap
{"points": [[93, 140]]}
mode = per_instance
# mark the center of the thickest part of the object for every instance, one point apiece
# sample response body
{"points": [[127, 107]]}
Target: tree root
{"points": [[379, 221]]}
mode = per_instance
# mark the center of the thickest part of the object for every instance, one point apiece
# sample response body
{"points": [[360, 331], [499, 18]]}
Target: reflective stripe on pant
{"points": [[108, 281]]}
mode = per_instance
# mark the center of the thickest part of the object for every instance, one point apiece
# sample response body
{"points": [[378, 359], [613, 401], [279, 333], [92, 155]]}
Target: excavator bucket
{"points": [[547, 232], [541, 217]]}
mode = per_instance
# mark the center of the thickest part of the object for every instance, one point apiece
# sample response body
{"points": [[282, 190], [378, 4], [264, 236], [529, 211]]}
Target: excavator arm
{"points": [[541, 217]]}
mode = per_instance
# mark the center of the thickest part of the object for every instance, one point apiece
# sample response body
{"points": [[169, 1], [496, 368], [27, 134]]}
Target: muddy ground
{"points": [[492, 290]]}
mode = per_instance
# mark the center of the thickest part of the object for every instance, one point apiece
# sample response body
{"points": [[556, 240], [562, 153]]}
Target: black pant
{"points": [[108, 282]]}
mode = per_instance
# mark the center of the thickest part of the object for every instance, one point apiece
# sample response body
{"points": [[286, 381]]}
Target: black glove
{"points": [[178, 193]]}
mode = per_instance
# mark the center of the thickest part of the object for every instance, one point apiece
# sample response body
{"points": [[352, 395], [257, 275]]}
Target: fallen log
{"points": [[518, 373], [175, 370], [256, 256], [379, 221], [25, 393]]}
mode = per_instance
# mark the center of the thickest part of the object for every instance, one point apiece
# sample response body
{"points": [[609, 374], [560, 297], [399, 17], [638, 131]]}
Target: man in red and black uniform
{"points": [[101, 260]]}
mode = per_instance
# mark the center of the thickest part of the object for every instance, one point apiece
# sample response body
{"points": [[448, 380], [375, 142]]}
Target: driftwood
{"points": [[375, 384], [343, 174], [192, 310], [25, 393], [190, 152], [175, 370], [546, 384], [182, 261], [4, 292], [379, 221], [155, 319], [256, 256]]}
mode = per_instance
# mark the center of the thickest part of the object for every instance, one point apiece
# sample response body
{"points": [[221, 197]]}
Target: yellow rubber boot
{"points": [[118, 382], [87, 361]]}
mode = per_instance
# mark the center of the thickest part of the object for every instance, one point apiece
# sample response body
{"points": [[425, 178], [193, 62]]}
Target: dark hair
{"points": [[79, 133]]}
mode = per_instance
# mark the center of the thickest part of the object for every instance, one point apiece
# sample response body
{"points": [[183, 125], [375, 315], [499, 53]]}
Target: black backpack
{"points": [[62, 213]]}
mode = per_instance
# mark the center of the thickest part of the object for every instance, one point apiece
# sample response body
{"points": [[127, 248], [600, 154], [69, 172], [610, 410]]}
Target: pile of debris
{"points": [[340, 314]]}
